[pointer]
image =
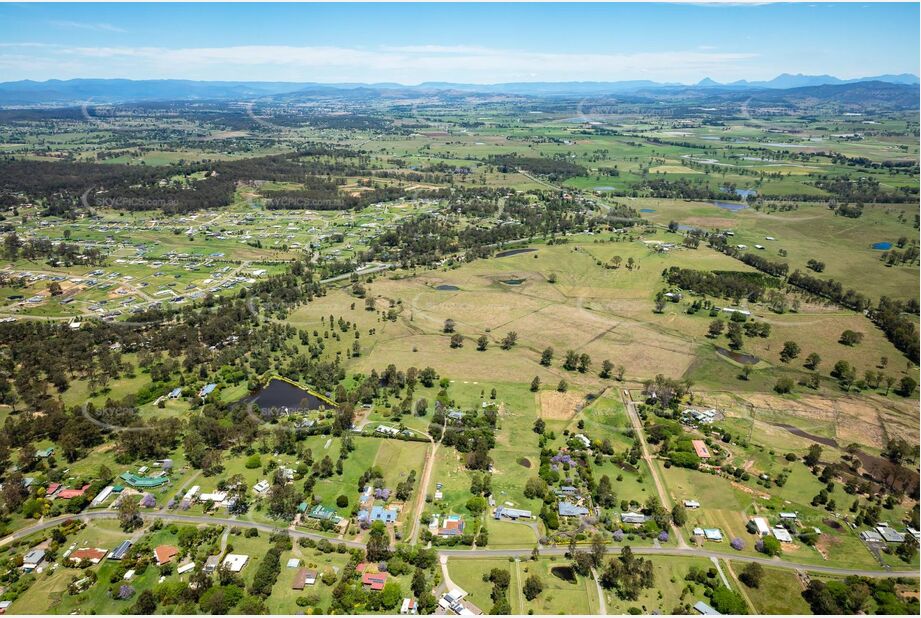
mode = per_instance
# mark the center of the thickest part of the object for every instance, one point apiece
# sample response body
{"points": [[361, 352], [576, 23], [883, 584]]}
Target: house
{"points": [[583, 439], [185, 568], [702, 608], [145, 482], [67, 494], [789, 516], [206, 390], [304, 577], [374, 581], [52, 489], [211, 564], [324, 514], [387, 431], [890, 535], [175, 393], [191, 494], [45, 453], [4, 605], [451, 525], [261, 487], [691, 504], [871, 536], [408, 606], [456, 415], [91, 554], [215, 496], [102, 496], [568, 509], [438, 494], [510, 513], [33, 560], [121, 551], [235, 562], [782, 534], [165, 553], [711, 534], [701, 449], [633, 518], [759, 525], [293, 563], [914, 533], [378, 513]]}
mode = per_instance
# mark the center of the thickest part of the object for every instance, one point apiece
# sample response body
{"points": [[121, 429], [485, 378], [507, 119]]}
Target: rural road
{"points": [[664, 498], [445, 554]]}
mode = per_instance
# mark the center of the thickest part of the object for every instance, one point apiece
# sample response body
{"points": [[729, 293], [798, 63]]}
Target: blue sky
{"points": [[477, 43]]}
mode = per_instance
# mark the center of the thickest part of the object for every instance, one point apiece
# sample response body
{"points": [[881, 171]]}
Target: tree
{"points": [[679, 515], [378, 546], [814, 455], [533, 586], [907, 549], [419, 583], [562, 386], [769, 545], [599, 547], [790, 351], [907, 386], [482, 342], [546, 357], [606, 368], [391, 595], [571, 361], [129, 516], [850, 338], [457, 340], [146, 604], [449, 326], [783, 385], [812, 361], [715, 329], [585, 361], [752, 575], [508, 342], [535, 384], [727, 601]]}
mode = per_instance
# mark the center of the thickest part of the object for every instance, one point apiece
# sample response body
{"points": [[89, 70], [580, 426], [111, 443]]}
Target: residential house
{"points": [[211, 564], [634, 518], [702, 608], [568, 509], [759, 525], [701, 449], [408, 607], [32, 560], [782, 534], [206, 390], [185, 568], [890, 535], [235, 562], [374, 581], [261, 487], [93, 555], [510, 513], [583, 439], [691, 504], [121, 551], [303, 578], [324, 514], [164, 554]]}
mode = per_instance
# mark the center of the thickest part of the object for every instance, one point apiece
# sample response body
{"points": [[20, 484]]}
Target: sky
{"points": [[469, 43]]}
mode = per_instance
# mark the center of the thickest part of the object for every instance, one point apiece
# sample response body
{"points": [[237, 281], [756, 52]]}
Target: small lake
{"points": [[513, 281], [444, 287], [511, 252], [281, 394], [647, 209], [882, 246], [739, 357], [743, 193], [605, 188], [729, 205], [566, 573], [783, 145]]}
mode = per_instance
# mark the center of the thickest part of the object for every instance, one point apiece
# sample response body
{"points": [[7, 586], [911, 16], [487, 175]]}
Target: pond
{"points": [[739, 357], [882, 246], [566, 573], [729, 205], [647, 209], [605, 188], [282, 394], [510, 252], [513, 281], [444, 287], [743, 193]]}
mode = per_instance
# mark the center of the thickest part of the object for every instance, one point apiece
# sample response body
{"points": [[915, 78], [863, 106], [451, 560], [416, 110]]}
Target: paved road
{"points": [[445, 554]]}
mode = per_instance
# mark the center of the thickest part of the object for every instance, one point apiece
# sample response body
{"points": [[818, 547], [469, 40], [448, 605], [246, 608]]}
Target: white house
{"points": [[235, 562], [761, 526]]}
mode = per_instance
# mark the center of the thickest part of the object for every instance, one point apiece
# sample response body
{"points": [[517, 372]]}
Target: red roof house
{"points": [[165, 553], [90, 553], [67, 494], [701, 448], [374, 581]]}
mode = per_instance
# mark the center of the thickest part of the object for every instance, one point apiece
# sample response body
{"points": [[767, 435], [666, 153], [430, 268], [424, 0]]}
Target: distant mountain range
{"points": [[102, 91]]}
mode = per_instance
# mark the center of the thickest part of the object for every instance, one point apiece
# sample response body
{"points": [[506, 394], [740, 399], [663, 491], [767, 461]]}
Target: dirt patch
{"points": [[524, 462], [716, 222], [750, 491], [558, 406]]}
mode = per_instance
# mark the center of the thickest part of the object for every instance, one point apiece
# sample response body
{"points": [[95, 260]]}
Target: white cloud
{"points": [[79, 25], [407, 64]]}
